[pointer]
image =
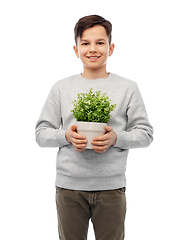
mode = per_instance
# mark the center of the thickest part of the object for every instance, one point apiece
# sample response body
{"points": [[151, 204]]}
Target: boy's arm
{"points": [[139, 132], [47, 132]]}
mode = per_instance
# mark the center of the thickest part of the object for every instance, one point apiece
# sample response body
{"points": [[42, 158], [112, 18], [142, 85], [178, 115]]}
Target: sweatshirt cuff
{"points": [[122, 140], [60, 138]]}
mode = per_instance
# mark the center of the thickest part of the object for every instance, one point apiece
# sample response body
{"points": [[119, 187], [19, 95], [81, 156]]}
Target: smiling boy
{"points": [[93, 48], [90, 184]]}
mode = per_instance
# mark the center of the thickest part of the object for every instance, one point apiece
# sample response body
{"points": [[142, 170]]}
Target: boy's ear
{"points": [[76, 51], [111, 49]]}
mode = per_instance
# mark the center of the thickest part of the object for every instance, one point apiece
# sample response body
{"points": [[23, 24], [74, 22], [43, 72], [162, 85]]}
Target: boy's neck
{"points": [[93, 74]]}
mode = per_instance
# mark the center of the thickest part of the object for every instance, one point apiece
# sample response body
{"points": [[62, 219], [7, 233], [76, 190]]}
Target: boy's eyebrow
{"points": [[86, 40], [101, 39]]}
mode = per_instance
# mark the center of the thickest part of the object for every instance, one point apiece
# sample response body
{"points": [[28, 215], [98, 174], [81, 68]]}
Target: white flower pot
{"points": [[91, 130]]}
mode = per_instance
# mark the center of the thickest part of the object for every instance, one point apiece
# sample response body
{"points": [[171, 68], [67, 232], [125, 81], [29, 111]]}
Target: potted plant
{"points": [[92, 112]]}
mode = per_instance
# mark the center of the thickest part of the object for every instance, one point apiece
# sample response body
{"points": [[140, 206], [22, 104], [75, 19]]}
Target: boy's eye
{"points": [[99, 43]]}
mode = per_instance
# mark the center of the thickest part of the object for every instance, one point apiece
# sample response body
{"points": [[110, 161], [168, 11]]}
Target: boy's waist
{"points": [[91, 184]]}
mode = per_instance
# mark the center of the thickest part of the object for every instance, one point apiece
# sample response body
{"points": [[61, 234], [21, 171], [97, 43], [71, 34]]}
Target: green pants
{"points": [[106, 209]]}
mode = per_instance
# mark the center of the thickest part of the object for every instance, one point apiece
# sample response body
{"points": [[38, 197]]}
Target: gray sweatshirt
{"points": [[88, 170]]}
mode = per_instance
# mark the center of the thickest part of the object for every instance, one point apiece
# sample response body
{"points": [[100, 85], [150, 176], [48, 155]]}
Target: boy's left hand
{"points": [[102, 143]]}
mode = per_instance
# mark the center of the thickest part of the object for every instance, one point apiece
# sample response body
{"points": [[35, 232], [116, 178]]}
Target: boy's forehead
{"points": [[96, 32]]}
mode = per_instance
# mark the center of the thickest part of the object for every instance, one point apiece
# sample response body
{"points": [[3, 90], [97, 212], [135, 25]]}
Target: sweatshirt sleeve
{"points": [[139, 132], [48, 128]]}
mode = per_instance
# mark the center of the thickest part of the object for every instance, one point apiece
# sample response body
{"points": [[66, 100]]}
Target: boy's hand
{"points": [[102, 143], [78, 141]]}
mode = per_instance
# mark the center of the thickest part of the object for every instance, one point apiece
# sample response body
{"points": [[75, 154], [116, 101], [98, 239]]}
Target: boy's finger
{"points": [[99, 143], [100, 149], [73, 127], [78, 136], [108, 128], [101, 138], [75, 134]]}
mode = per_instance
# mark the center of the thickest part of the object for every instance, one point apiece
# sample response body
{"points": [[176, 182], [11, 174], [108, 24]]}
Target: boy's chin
{"points": [[93, 67]]}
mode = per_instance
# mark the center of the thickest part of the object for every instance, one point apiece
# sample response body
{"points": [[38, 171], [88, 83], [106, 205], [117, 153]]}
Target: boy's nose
{"points": [[92, 48]]}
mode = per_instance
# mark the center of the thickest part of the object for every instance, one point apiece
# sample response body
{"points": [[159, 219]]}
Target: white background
{"points": [[36, 51]]}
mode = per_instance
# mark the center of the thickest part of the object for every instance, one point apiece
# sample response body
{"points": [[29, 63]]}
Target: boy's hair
{"points": [[91, 21]]}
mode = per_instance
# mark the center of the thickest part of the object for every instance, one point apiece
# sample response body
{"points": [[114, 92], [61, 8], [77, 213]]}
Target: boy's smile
{"points": [[93, 49], [93, 58]]}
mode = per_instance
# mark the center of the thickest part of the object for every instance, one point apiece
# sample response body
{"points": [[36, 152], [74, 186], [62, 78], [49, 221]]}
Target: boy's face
{"points": [[93, 48]]}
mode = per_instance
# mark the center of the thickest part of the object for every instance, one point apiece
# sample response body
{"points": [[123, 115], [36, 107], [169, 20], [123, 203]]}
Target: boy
{"points": [[90, 184]]}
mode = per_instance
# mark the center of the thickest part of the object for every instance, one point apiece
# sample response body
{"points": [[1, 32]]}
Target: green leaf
{"points": [[92, 107]]}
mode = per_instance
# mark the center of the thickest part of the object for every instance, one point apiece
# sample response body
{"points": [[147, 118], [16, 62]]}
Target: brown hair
{"points": [[91, 21]]}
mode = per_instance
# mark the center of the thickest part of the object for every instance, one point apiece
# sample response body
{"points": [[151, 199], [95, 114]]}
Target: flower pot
{"points": [[91, 130]]}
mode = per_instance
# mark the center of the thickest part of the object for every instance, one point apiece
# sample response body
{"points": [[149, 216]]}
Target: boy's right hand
{"points": [[78, 141]]}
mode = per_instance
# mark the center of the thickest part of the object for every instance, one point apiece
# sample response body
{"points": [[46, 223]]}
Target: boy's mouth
{"points": [[93, 57]]}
